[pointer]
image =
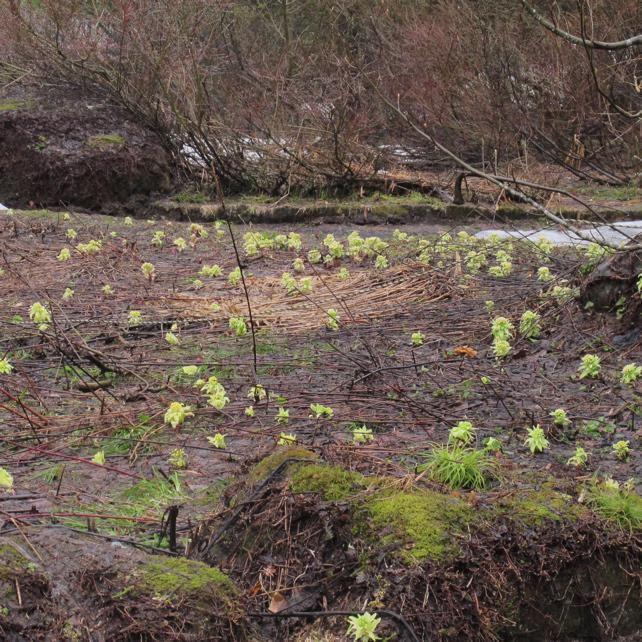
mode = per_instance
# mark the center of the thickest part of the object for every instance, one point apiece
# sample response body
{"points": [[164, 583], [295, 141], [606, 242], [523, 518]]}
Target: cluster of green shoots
{"points": [[332, 319], [291, 286], [217, 440], [320, 411], [362, 628], [214, 391], [234, 277], [158, 239], [254, 243], [502, 331], [529, 325], [92, 247], [148, 270], [238, 325], [5, 366], [177, 413], [536, 440], [211, 271], [504, 264], [361, 434], [40, 316], [590, 367]]}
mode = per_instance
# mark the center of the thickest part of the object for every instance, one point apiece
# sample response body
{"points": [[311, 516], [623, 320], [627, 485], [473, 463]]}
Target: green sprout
{"points": [[71, 234], [536, 440], [344, 275], [417, 339], [158, 239], [630, 374], [218, 441], [128, 220], [180, 243], [107, 290], [563, 294], [178, 458], [172, 339], [40, 315], [211, 271], [257, 392], [239, 326], [320, 411], [314, 256], [622, 449], [463, 433], [282, 416], [502, 328], [501, 348], [234, 277], [579, 459], [148, 270], [362, 434], [286, 439], [190, 371], [544, 275], [177, 413], [298, 265], [249, 411], [493, 445], [381, 262], [362, 628], [590, 366], [5, 366], [529, 325], [68, 294], [489, 306], [64, 254], [560, 418], [216, 395], [6, 479], [93, 247], [134, 318], [99, 458], [332, 319]]}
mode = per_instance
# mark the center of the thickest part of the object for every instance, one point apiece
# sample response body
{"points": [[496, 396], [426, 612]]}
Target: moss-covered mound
{"points": [[459, 565]]}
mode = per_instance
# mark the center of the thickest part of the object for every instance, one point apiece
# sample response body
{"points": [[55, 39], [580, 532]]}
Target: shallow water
{"points": [[617, 233]]}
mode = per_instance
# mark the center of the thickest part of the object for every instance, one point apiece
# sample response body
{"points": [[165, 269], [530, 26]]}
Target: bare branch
{"points": [[594, 44]]}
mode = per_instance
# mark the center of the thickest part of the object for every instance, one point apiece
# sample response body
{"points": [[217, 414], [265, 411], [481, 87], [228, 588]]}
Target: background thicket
{"points": [[285, 94]]}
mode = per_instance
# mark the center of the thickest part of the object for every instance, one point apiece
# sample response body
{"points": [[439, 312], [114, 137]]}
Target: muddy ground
{"points": [[273, 523], [69, 146]]}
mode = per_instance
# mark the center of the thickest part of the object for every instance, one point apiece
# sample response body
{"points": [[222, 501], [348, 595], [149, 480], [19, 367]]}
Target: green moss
{"points": [[12, 104], [424, 520], [536, 507], [13, 562], [105, 141], [273, 461], [333, 483], [190, 197], [171, 577]]}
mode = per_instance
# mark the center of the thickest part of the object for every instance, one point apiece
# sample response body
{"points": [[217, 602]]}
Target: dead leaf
{"points": [[465, 351], [278, 603]]}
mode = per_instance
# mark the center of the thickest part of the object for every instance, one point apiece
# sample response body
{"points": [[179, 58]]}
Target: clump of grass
{"points": [[621, 505], [459, 467], [105, 141]]}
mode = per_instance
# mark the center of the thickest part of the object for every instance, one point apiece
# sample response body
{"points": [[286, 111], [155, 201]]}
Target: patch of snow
{"points": [[2, 207]]}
